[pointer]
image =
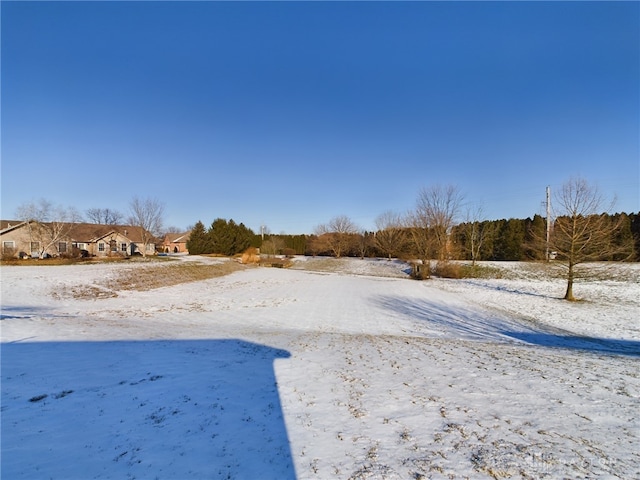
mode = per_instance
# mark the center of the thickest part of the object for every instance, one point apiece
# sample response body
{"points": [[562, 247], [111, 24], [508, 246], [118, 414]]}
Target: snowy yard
{"points": [[331, 369]]}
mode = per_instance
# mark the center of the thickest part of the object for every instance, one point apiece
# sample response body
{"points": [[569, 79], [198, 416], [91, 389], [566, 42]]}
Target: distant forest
{"points": [[502, 240]]}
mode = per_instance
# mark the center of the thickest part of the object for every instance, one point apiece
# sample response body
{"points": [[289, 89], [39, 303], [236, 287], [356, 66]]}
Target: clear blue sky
{"points": [[288, 114]]}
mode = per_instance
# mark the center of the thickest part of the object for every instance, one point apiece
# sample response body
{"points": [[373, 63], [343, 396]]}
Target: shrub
{"points": [[8, 253], [461, 270], [449, 270]]}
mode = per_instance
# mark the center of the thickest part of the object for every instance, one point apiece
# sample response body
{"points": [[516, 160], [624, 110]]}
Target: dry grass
{"points": [[142, 277], [323, 264], [56, 261], [156, 276]]}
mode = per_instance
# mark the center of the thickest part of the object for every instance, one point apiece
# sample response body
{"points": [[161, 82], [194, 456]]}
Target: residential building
{"points": [[34, 239]]}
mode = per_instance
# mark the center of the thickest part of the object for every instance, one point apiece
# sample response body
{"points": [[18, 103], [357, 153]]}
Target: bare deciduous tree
{"points": [[48, 225], [581, 233], [364, 240], [476, 232], [272, 246], [391, 236], [147, 215], [104, 216], [340, 234], [431, 221]]}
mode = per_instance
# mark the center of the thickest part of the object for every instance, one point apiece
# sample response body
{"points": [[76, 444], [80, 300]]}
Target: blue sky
{"points": [[287, 114]]}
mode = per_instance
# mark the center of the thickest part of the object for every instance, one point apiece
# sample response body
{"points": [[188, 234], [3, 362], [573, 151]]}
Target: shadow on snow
{"points": [[15, 313], [442, 320], [596, 345], [167, 409]]}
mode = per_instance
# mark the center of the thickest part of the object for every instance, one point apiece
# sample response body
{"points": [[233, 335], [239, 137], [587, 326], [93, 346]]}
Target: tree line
{"points": [[511, 239], [580, 229]]}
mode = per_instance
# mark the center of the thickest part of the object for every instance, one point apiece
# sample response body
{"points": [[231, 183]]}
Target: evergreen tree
{"points": [[535, 238], [623, 236], [197, 243], [634, 219], [228, 238], [499, 249], [514, 240], [242, 238], [219, 238], [297, 243]]}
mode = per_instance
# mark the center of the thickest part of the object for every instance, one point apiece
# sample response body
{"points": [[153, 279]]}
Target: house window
{"points": [[62, 247], [123, 247], [8, 245], [101, 247]]}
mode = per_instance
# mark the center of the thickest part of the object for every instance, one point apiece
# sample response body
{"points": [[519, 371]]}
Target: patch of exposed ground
{"points": [[143, 277]]}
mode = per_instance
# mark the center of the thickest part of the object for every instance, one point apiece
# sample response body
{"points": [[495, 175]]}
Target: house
{"points": [[14, 237], [34, 239], [176, 242]]}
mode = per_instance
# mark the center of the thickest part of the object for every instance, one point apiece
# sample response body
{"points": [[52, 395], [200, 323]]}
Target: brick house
{"points": [[175, 242]]}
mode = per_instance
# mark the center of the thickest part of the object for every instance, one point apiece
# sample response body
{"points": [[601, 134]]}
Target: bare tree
{"points": [[364, 241], [391, 236], [147, 215], [340, 234], [272, 246], [476, 232], [104, 216], [48, 225], [581, 231], [430, 224]]}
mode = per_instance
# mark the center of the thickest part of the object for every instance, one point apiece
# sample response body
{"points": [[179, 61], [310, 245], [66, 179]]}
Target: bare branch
{"points": [[147, 215], [582, 232]]}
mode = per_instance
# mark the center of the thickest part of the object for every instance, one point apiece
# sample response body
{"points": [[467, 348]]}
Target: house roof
{"points": [[91, 232], [177, 237], [7, 225]]}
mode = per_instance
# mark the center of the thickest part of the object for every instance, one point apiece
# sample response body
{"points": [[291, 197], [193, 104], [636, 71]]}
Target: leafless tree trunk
{"points": [[391, 236], [477, 232], [339, 233], [581, 233], [365, 241], [147, 215]]}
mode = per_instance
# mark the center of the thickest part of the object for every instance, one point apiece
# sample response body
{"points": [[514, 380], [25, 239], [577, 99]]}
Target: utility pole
{"points": [[548, 220]]}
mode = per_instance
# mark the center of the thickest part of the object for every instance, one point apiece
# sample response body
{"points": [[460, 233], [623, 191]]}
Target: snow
{"points": [[334, 368]]}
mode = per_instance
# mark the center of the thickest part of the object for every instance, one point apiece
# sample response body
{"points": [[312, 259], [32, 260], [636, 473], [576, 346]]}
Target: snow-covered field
{"points": [[331, 369]]}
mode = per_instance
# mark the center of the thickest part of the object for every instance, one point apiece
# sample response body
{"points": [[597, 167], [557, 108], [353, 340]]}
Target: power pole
{"points": [[548, 220]]}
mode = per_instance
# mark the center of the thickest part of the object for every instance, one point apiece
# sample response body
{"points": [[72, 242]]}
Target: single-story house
{"points": [[34, 239], [176, 242]]}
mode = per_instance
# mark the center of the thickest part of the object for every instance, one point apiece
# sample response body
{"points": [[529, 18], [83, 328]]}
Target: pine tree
{"points": [[634, 220], [535, 237], [243, 238], [197, 243], [218, 235], [622, 240]]}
